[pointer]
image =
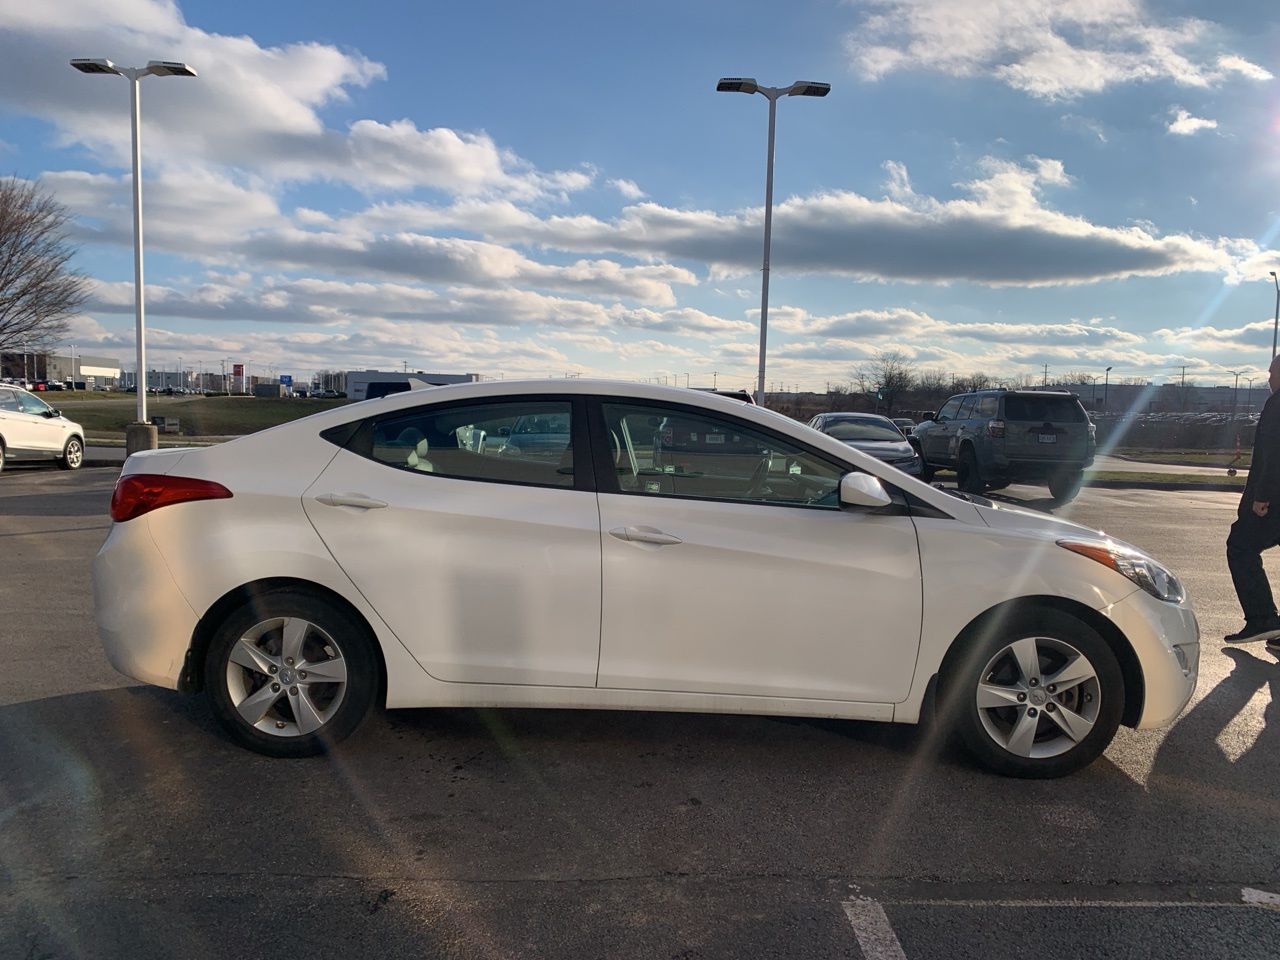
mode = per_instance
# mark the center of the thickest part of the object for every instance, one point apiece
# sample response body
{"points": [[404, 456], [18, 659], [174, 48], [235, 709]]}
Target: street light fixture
{"points": [[1106, 385], [154, 68], [801, 88]]}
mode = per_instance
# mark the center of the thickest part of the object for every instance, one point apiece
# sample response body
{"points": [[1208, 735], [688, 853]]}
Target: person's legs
{"points": [[1249, 536]]}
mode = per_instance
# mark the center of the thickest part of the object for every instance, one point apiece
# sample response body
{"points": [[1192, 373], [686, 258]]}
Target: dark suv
{"points": [[996, 437]]}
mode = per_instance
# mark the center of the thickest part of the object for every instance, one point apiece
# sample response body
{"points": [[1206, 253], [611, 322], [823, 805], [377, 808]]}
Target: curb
{"points": [[1161, 485]]}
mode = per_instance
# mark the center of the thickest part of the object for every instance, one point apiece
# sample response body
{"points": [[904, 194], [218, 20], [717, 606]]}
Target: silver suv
{"points": [[30, 429], [996, 437]]}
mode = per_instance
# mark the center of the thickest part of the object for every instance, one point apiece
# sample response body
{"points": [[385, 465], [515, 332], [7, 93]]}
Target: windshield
{"points": [[860, 429], [1041, 409]]}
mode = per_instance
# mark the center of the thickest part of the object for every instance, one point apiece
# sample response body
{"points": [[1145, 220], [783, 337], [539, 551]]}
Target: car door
{"points": [[960, 427], [483, 558], [729, 567], [934, 441], [26, 429]]}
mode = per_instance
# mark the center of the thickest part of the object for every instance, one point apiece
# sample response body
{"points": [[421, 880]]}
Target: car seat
{"points": [[417, 459]]}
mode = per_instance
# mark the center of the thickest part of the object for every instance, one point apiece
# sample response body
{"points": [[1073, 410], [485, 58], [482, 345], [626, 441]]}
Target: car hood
{"points": [[1000, 516], [883, 449]]}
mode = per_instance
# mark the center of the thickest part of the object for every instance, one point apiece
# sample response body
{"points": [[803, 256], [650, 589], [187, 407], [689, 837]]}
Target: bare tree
{"points": [[888, 374], [39, 292], [933, 386]]}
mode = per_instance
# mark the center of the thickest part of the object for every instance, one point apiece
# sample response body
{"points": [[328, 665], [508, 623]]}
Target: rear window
{"points": [[862, 430], [1043, 409]]}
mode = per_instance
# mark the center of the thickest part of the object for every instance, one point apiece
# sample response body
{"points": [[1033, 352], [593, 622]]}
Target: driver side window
{"points": [[948, 411], [682, 452], [32, 406]]}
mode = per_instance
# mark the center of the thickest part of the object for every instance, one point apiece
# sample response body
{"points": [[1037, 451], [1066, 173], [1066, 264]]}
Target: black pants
{"points": [[1249, 536]]}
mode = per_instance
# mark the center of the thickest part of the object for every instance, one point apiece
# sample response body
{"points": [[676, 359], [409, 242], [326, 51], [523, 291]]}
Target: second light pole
{"points": [[801, 88]]}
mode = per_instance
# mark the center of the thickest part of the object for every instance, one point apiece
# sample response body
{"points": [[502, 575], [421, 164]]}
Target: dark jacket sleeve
{"points": [[1266, 448]]}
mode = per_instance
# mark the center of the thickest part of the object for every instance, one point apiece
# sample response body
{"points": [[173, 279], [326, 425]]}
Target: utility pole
{"points": [[1045, 382]]}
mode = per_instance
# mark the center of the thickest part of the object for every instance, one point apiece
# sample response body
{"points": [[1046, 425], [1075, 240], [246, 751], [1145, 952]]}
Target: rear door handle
{"points": [[350, 500], [643, 535]]}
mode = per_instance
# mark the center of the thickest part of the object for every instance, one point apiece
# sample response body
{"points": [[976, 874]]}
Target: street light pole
{"points": [[157, 68], [1235, 391], [1106, 384], [1275, 330], [801, 88]]}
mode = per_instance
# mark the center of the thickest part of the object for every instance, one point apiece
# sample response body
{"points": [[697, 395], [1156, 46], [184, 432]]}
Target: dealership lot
{"points": [[128, 824]]}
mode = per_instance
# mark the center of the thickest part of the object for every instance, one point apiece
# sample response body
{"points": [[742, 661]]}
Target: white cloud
{"points": [[251, 107], [1184, 124], [1047, 48], [628, 188], [1001, 233]]}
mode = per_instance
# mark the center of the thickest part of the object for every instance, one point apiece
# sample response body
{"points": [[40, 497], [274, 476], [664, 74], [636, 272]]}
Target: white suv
{"points": [[30, 429]]}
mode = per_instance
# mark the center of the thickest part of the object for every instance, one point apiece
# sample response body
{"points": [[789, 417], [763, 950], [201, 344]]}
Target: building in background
{"points": [[382, 382], [90, 372]]}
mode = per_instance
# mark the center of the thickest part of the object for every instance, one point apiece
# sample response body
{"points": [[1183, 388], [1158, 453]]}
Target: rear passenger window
{"points": [[966, 408], [9, 401], [510, 442], [987, 407]]}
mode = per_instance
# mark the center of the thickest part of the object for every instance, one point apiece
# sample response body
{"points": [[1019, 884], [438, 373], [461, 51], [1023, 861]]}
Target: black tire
{"points": [[1065, 485], [999, 484], [964, 669], [357, 647], [1, 456], [968, 476], [926, 470], [72, 454]]}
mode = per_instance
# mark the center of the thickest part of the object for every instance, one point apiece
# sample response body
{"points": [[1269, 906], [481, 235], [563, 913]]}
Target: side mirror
{"points": [[863, 490], [929, 415], [504, 431], [51, 413]]}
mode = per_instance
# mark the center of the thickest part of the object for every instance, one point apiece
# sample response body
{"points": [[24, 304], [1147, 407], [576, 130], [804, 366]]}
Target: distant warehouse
{"points": [[368, 384]]}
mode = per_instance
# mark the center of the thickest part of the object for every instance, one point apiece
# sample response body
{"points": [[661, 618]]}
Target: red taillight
{"points": [[141, 493], [995, 428]]}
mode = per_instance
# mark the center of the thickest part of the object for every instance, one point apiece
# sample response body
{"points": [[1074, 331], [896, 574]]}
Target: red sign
{"points": [[237, 369]]}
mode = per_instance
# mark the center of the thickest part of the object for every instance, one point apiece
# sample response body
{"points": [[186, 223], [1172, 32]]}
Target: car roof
{"points": [[857, 416]]}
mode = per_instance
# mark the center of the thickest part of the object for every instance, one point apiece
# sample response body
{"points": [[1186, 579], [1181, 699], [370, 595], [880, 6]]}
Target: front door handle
{"points": [[350, 500], [643, 535]]}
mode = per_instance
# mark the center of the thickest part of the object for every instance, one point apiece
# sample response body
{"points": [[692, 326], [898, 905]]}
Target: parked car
{"points": [[801, 576], [873, 434], [30, 429], [905, 424], [992, 438]]}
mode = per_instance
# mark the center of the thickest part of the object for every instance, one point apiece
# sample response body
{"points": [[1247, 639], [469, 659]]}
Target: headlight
{"points": [[1141, 569]]}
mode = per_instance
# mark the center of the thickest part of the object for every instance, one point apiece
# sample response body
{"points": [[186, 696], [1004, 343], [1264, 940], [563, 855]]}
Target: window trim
{"points": [[583, 465], [606, 473]]}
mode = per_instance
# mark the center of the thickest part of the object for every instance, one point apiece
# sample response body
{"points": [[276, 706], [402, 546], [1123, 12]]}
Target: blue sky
{"points": [[535, 189]]}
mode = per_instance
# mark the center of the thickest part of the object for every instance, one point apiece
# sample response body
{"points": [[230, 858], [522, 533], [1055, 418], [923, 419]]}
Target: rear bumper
{"points": [[1166, 638], [144, 622], [1035, 469]]}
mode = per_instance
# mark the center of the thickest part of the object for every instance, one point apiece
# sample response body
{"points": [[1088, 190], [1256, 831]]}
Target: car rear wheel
{"points": [[72, 454], [1035, 696], [290, 674], [1065, 485], [968, 477], [1, 457]]}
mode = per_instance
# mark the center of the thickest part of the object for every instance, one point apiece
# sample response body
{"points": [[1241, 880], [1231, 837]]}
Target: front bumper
{"points": [[144, 622], [1166, 638]]}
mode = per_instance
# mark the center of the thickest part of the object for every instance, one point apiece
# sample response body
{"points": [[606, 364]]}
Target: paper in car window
{"points": [[652, 486], [715, 438]]}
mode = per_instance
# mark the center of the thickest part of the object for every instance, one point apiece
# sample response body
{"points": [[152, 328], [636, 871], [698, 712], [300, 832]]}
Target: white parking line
{"points": [[871, 927], [1260, 897]]}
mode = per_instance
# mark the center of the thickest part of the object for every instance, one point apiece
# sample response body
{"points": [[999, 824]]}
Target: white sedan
{"points": [[618, 546]]}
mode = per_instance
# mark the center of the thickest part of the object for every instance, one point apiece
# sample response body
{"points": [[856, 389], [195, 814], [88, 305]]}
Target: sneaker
{"points": [[1254, 630], [1273, 646]]}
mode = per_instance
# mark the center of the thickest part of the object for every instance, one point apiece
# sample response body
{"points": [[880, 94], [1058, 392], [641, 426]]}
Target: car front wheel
{"points": [[289, 674], [72, 455], [1034, 696]]}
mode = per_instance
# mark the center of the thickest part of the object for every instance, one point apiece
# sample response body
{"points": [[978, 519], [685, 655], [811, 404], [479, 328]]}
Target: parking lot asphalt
{"points": [[130, 827]]}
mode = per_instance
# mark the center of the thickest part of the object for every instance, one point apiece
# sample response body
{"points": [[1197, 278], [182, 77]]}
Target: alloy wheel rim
{"points": [[1038, 697], [286, 677], [74, 453]]}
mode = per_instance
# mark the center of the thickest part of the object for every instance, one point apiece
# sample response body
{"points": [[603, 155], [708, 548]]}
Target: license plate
{"points": [[1048, 438]]}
